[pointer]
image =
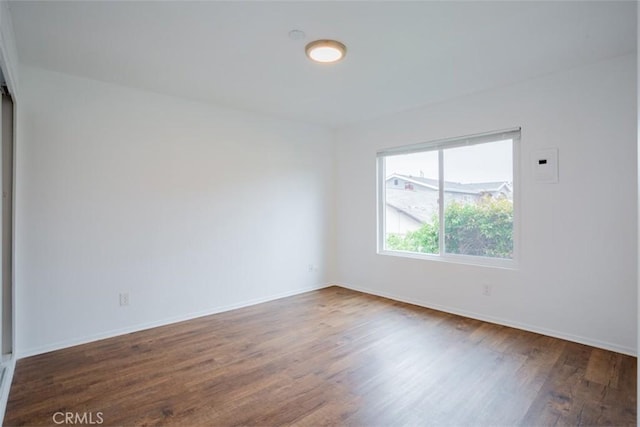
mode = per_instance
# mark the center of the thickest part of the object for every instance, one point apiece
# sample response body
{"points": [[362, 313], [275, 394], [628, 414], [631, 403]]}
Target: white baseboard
{"points": [[148, 325], [499, 321], [491, 319]]}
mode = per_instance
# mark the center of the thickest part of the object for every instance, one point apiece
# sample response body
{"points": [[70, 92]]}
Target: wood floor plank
{"points": [[329, 357], [603, 368]]}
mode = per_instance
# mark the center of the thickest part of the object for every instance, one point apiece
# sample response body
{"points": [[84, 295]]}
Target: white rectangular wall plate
{"points": [[545, 165]]}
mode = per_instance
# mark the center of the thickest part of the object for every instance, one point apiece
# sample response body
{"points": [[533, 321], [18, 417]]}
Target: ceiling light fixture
{"points": [[326, 51]]}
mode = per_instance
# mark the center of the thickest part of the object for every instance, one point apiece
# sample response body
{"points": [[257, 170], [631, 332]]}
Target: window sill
{"points": [[507, 264]]}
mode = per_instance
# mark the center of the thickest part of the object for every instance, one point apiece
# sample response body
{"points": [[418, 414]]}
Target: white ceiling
{"points": [[401, 55]]}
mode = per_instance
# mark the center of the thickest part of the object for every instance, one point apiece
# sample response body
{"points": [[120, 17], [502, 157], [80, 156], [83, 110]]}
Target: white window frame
{"points": [[513, 134]]}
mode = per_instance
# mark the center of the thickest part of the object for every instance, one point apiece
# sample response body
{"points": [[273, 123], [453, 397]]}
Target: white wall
{"points": [[190, 208], [194, 209], [578, 242]]}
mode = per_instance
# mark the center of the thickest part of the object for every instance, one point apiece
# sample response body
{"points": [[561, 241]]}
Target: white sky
{"points": [[474, 163]]}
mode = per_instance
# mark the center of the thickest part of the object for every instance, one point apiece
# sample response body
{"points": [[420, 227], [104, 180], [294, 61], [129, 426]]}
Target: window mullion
{"points": [[441, 246], [382, 221]]}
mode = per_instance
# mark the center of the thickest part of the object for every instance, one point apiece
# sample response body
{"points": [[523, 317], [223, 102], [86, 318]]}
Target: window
{"points": [[458, 202]]}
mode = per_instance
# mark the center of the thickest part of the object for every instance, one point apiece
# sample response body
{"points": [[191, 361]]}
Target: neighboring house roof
{"points": [[410, 203], [455, 187]]}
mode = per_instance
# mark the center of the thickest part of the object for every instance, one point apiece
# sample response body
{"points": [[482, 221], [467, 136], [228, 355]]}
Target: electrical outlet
{"points": [[124, 298], [486, 290]]}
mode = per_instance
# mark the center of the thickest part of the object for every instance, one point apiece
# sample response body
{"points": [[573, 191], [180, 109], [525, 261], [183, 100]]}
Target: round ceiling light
{"points": [[326, 51]]}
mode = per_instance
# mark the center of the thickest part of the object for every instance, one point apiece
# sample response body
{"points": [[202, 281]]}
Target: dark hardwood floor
{"points": [[330, 357]]}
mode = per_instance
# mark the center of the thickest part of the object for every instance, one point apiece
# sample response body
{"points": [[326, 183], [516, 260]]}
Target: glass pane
{"points": [[478, 194], [411, 202]]}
